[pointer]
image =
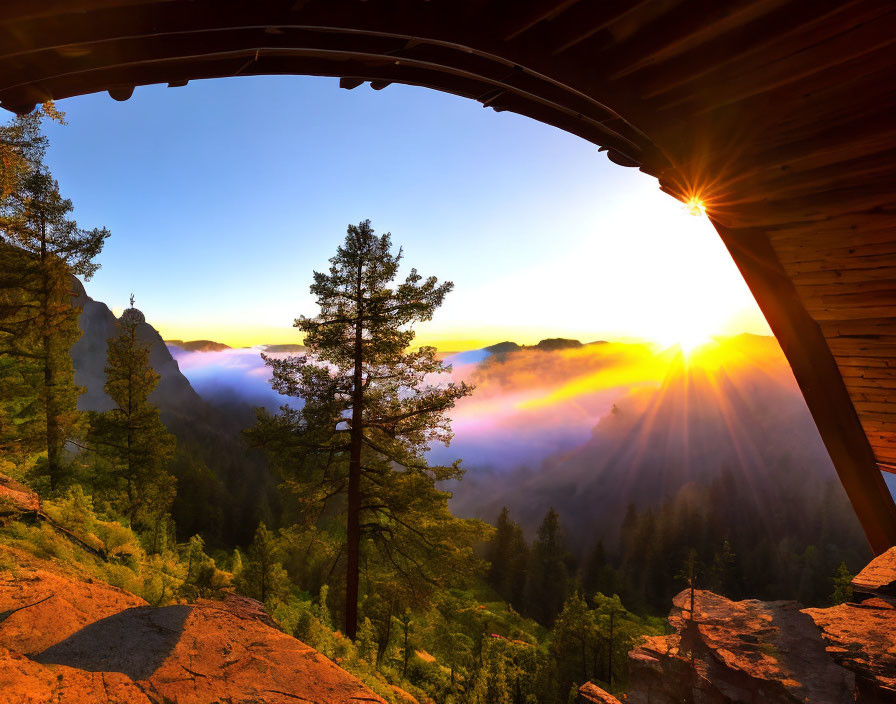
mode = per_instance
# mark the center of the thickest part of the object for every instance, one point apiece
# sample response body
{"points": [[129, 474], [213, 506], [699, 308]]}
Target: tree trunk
{"points": [[584, 661], [610, 658], [384, 639], [54, 450], [404, 669], [353, 533]]}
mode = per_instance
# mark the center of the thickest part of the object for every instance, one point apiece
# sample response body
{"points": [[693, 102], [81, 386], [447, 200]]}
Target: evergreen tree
{"points": [[22, 146], [131, 437], [574, 641], [598, 576], [41, 247], [262, 575], [548, 572], [369, 415], [507, 554], [720, 576], [842, 581]]}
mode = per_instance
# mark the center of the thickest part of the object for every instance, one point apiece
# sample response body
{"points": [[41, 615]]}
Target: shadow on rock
{"points": [[134, 642]]}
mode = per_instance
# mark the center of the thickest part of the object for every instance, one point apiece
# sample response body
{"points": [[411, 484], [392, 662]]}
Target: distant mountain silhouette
{"points": [[503, 348], [284, 348], [552, 344], [198, 345]]}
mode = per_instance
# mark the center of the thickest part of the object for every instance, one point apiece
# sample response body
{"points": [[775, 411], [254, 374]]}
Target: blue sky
{"points": [[223, 196]]}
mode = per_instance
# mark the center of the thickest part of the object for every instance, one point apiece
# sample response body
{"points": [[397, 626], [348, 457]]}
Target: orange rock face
{"points": [[746, 651], [40, 607], [17, 497], [225, 653], [23, 681], [64, 639], [862, 638], [878, 579], [590, 693]]}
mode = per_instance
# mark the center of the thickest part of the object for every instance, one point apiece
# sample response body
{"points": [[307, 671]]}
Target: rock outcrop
{"points": [[746, 651], [861, 635], [16, 498], [752, 651], [590, 693], [64, 639], [878, 579], [98, 324]]}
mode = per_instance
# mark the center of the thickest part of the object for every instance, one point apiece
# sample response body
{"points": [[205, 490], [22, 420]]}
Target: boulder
{"points": [[862, 636], [16, 498], [41, 606], [23, 681], [71, 639], [590, 693], [737, 652], [878, 579]]}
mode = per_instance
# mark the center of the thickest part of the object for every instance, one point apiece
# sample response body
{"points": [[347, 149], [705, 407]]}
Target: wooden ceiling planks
{"points": [[778, 113]]}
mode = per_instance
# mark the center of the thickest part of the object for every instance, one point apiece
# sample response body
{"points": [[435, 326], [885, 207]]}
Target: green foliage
{"points": [[842, 581], [130, 438], [549, 564], [357, 446], [41, 248], [738, 545], [508, 557], [262, 575], [22, 146]]}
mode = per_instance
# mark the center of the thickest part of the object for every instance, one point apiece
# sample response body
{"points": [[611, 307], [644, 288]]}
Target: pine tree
{"points": [[498, 553], [842, 581], [548, 576], [41, 248], [574, 639], [369, 415], [22, 146], [131, 437], [507, 554], [720, 576], [598, 576], [262, 576]]}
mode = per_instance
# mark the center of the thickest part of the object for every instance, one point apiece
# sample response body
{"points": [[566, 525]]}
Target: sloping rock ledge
{"points": [[64, 639]]}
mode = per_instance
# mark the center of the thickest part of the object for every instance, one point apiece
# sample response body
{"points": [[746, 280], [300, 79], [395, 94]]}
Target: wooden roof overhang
{"points": [[780, 115]]}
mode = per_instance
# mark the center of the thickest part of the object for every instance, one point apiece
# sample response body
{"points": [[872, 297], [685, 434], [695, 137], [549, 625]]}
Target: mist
{"points": [[230, 376]]}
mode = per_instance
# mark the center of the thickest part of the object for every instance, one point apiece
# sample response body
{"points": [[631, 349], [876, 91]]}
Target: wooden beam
{"points": [[540, 11], [819, 379]]}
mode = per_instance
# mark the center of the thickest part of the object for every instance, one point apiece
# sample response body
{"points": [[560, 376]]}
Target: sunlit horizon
{"points": [[540, 233]]}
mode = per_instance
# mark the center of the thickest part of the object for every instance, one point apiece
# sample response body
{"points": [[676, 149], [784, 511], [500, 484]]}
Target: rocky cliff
{"points": [[98, 324], [726, 652]]}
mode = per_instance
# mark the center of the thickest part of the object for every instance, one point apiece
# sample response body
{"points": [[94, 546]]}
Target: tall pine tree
{"points": [[369, 415], [508, 555], [548, 583], [130, 437], [42, 247]]}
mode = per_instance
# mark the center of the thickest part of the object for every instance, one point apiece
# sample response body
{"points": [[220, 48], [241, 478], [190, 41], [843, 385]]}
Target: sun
{"points": [[695, 206], [690, 340], [687, 334]]}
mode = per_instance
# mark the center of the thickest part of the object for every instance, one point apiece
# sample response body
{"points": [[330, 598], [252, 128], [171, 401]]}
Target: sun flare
{"points": [[688, 336], [695, 206]]}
